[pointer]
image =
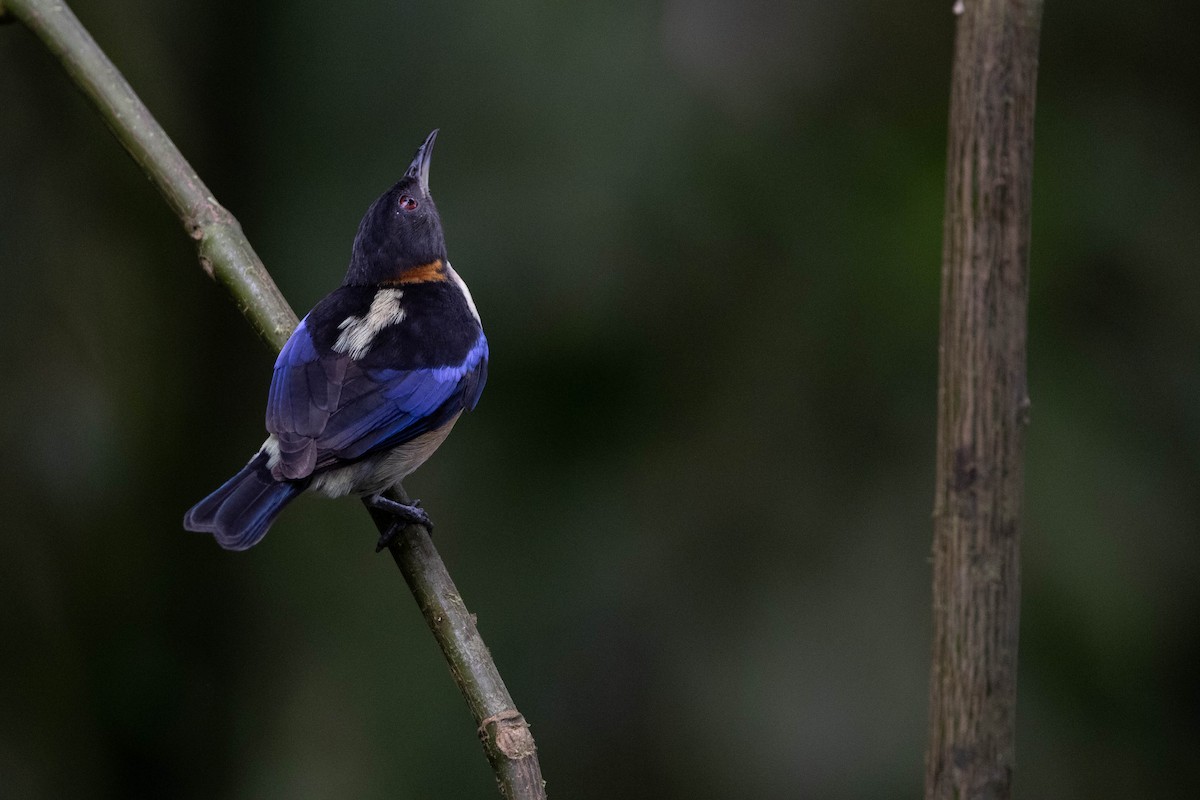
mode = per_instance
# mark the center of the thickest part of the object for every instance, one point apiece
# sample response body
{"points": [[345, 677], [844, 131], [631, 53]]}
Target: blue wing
{"points": [[327, 410]]}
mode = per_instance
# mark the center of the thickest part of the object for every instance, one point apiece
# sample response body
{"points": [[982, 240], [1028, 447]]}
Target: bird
{"points": [[371, 380]]}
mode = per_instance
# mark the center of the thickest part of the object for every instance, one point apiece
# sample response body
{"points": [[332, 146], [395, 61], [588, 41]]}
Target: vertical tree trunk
{"points": [[982, 401]]}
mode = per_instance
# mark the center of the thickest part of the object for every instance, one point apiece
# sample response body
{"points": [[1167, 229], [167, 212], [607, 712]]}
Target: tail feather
{"points": [[240, 512]]}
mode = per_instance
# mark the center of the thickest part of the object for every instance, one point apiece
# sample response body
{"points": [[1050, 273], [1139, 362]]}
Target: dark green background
{"points": [[692, 509]]}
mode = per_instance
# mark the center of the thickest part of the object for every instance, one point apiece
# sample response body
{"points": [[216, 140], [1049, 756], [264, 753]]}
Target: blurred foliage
{"points": [[692, 510]]}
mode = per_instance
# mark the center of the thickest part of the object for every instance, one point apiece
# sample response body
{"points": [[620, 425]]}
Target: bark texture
{"points": [[983, 405], [502, 729]]}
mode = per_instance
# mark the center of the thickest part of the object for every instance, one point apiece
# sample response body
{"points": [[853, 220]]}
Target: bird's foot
{"points": [[402, 515]]}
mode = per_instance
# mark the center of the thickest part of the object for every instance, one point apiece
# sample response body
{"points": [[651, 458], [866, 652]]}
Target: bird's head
{"points": [[401, 231]]}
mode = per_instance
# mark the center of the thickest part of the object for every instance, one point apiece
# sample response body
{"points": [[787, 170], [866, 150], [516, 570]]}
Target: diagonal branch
{"points": [[229, 259]]}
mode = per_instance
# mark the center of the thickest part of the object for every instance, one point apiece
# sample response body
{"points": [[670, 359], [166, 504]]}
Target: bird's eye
{"points": [[408, 203]]}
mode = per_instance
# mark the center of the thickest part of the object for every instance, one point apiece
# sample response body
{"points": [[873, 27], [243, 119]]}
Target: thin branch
{"points": [[983, 405], [504, 732], [224, 251], [227, 257]]}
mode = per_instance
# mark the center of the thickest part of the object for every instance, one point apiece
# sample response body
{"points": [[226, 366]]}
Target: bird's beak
{"points": [[419, 168]]}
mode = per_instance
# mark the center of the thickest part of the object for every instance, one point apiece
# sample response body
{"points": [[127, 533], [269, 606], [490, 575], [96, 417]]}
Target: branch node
{"points": [[511, 736], [205, 215], [504, 716]]}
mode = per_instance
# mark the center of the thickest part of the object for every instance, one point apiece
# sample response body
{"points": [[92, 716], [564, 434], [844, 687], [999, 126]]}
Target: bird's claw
{"points": [[402, 515], [387, 537]]}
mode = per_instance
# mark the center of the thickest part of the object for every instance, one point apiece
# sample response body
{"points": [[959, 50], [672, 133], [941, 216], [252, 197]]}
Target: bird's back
{"points": [[373, 368]]}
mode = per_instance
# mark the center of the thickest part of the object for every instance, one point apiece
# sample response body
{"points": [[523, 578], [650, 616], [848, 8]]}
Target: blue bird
{"points": [[372, 379]]}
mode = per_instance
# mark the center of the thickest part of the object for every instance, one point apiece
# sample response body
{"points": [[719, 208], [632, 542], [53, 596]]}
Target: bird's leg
{"points": [[401, 514]]}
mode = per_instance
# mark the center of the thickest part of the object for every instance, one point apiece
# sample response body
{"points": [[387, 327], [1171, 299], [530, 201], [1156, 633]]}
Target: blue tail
{"points": [[240, 512]]}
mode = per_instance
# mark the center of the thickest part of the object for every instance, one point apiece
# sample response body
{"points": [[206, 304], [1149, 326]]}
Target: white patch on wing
{"points": [[358, 333], [271, 448], [462, 287]]}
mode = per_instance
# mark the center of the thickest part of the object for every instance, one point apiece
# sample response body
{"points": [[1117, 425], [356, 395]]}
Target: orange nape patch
{"points": [[424, 273]]}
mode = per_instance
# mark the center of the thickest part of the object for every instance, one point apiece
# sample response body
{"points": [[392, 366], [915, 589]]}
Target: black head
{"points": [[400, 230]]}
